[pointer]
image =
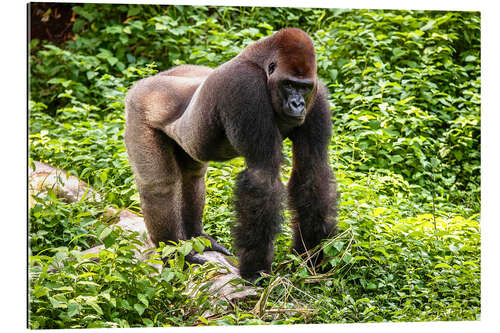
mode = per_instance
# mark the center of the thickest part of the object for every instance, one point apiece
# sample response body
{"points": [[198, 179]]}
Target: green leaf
{"points": [[105, 233], [87, 283], [140, 308], [428, 26], [95, 306], [453, 248], [91, 74], [398, 52], [347, 258], [112, 60], [378, 211], [180, 262], [135, 197], [73, 308], [470, 58], [167, 251], [57, 304], [159, 26], [143, 298], [167, 275], [103, 176], [133, 11], [185, 248], [198, 245], [265, 26], [338, 244], [333, 74], [148, 322]]}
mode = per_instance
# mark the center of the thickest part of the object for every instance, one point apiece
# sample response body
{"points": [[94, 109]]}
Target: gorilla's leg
{"points": [[158, 178], [193, 198], [258, 197]]}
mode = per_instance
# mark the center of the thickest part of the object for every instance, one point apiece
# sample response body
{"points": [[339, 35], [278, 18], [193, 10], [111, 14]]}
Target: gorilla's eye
{"points": [[271, 68]]}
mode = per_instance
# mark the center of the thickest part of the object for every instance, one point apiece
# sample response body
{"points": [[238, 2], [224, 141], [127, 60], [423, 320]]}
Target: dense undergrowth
{"points": [[405, 95]]}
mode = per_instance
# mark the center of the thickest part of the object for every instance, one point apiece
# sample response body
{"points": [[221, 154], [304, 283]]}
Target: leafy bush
{"points": [[408, 86], [405, 94], [55, 223], [119, 290]]}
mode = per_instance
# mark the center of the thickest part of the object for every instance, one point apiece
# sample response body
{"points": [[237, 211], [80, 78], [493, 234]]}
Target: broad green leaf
{"points": [[379, 211], [140, 308], [143, 298], [95, 306], [73, 308], [185, 248]]}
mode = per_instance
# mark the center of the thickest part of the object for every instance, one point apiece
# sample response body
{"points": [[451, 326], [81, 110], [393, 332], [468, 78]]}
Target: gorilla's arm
{"points": [[312, 189], [249, 123]]}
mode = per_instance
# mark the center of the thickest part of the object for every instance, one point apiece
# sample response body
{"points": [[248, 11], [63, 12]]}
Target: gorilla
{"points": [[179, 119]]}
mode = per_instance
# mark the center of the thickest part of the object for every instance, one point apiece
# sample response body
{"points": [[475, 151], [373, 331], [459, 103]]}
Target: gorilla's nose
{"points": [[297, 105]]}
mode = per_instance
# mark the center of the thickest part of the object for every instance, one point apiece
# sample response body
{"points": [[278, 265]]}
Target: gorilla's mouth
{"points": [[293, 118], [294, 114]]}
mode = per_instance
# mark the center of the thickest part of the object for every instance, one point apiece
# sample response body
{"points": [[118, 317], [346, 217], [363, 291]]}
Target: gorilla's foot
{"points": [[192, 258], [253, 277], [214, 246]]}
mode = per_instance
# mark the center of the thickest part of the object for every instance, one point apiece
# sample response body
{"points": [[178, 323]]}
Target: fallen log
{"points": [[69, 188]]}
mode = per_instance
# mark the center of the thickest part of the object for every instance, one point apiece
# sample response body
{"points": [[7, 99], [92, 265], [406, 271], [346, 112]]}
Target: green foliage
{"points": [[55, 223], [68, 289], [408, 86], [405, 94]]}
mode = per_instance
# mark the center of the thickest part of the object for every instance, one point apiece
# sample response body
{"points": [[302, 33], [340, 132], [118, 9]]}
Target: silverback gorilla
{"points": [[178, 120]]}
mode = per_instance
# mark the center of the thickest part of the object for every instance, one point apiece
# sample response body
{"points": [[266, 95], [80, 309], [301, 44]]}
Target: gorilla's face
{"points": [[291, 90]]}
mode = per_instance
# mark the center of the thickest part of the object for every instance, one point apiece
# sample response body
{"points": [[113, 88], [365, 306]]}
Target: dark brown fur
{"points": [[180, 119]]}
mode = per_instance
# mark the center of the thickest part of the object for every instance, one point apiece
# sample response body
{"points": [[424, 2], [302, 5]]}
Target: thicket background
{"points": [[405, 98]]}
